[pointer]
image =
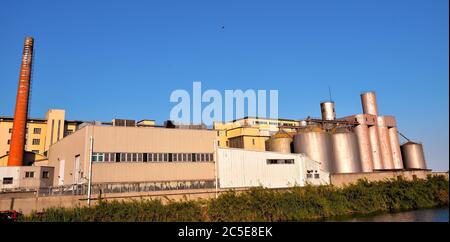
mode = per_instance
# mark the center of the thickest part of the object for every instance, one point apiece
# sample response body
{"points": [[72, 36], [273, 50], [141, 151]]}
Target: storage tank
{"points": [[375, 147], [365, 150], [328, 112], [346, 157], [316, 144], [395, 146], [369, 103], [385, 144], [279, 142], [413, 156]]}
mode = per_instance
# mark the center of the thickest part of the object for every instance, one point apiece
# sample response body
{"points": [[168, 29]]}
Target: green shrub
{"points": [[259, 204]]}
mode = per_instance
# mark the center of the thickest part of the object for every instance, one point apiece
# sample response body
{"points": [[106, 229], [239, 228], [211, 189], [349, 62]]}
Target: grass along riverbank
{"points": [[294, 204]]}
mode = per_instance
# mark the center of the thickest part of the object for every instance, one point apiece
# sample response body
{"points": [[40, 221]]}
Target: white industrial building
{"points": [[244, 168]]}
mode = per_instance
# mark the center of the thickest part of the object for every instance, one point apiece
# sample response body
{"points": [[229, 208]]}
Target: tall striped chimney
{"points": [[17, 145]]}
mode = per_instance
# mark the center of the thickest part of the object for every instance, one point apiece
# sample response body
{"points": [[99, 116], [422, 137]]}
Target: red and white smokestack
{"points": [[17, 145]]}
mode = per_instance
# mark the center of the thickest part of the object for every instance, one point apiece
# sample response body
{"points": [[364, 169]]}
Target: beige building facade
{"points": [[133, 154]]}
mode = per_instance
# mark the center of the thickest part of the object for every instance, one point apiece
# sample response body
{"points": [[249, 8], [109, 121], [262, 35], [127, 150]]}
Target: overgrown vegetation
{"points": [[294, 204]]}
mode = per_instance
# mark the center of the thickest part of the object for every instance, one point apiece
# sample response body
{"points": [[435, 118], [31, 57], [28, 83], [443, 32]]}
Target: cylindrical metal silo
{"points": [[346, 157], [328, 111], [317, 146], [280, 142], [413, 156], [395, 146], [385, 144], [375, 147], [365, 150], [369, 103]]}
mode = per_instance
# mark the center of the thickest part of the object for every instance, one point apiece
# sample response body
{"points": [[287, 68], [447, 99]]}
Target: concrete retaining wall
{"points": [[343, 179]]}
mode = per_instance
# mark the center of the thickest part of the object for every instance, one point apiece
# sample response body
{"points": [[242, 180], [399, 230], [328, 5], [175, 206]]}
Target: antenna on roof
{"points": [[329, 92]]}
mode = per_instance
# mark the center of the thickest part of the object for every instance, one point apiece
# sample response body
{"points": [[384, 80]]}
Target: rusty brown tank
{"points": [[17, 145], [280, 142]]}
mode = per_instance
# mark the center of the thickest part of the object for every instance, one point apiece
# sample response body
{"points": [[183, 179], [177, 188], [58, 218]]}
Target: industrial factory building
{"points": [[248, 152], [133, 154], [358, 143]]}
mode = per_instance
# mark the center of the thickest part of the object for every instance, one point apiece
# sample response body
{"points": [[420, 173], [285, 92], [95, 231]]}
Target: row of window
{"points": [[152, 157], [273, 123], [35, 130], [34, 142], [280, 161]]}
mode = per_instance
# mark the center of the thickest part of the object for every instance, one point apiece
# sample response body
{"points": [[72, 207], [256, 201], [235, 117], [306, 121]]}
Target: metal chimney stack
{"points": [[17, 145]]}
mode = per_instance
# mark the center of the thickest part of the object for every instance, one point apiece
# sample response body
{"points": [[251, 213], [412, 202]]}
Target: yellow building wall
{"points": [[4, 136], [36, 132], [39, 131], [249, 128], [55, 126]]}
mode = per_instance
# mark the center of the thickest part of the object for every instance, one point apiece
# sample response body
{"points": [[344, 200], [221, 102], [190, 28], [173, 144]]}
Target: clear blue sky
{"points": [[122, 59]]}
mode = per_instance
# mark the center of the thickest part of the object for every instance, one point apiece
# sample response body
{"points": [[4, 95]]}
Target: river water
{"points": [[423, 215]]}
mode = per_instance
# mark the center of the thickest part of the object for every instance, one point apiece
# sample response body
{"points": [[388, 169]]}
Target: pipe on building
{"points": [[17, 144], [369, 103], [328, 110]]}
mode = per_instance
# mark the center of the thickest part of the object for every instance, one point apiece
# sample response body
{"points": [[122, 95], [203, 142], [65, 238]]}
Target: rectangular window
{"points": [[253, 141], [180, 157], [117, 157], [160, 157], [144, 157], [10, 131], [202, 157], [106, 157], [69, 132], [7, 180], [316, 176], [123, 157], [134, 157], [175, 156], [36, 141], [59, 128], [218, 143], [9, 142], [211, 157], [184, 157], [309, 175], [280, 161], [139, 158], [36, 130], [194, 157], [129, 157], [150, 157], [29, 174], [111, 157], [189, 157], [165, 156], [45, 174]]}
